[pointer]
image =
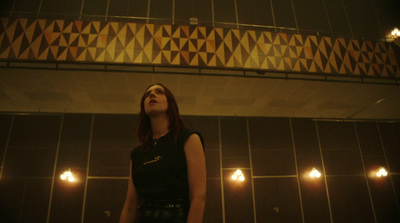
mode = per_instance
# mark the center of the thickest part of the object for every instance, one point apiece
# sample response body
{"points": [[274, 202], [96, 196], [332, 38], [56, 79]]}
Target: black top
{"points": [[161, 172]]}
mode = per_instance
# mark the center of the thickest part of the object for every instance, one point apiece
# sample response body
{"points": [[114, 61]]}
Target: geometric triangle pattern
{"points": [[136, 43]]}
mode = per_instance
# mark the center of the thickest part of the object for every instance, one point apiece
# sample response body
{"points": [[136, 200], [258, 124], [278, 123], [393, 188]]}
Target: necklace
{"points": [[155, 141]]}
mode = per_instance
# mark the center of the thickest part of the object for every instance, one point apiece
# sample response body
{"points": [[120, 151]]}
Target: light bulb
{"points": [[63, 177], [314, 173], [238, 175], [381, 172], [67, 175]]}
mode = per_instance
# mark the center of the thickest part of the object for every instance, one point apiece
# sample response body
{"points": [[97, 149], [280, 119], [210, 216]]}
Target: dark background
{"points": [[35, 149]]}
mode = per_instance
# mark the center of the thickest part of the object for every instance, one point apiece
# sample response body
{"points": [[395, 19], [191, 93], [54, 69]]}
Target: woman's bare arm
{"points": [[196, 166], [129, 212]]}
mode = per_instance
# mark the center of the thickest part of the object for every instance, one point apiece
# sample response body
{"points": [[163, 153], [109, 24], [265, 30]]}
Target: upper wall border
{"points": [[76, 41]]}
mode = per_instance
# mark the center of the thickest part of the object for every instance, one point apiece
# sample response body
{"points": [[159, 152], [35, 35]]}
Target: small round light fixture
{"points": [[381, 172], [68, 175], [395, 33], [314, 173], [238, 175]]}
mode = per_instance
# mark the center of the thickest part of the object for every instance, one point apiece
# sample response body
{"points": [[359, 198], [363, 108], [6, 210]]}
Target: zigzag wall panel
{"points": [[134, 43]]}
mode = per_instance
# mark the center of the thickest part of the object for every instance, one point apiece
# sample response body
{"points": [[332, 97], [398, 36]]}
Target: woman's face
{"points": [[155, 101]]}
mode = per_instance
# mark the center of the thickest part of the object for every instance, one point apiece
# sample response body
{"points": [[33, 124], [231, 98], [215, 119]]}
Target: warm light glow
{"points": [[67, 175], [381, 172], [63, 177], [314, 173], [238, 175], [395, 33]]}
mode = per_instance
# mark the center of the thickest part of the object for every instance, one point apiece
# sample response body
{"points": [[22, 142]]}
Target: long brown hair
{"points": [[176, 125]]}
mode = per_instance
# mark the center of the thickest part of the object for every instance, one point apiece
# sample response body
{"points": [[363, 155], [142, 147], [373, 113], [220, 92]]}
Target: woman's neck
{"points": [[159, 126]]}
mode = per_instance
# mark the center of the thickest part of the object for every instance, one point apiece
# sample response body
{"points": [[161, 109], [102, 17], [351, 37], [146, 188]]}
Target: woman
{"points": [[167, 180]]}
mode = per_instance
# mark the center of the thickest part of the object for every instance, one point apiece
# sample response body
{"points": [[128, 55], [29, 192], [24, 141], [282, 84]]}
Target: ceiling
{"points": [[211, 93]]}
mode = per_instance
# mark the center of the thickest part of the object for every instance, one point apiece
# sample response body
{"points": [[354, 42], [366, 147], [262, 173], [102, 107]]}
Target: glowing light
{"points": [[381, 172], [314, 173], [238, 175], [63, 177], [395, 33], [67, 175], [71, 179]]}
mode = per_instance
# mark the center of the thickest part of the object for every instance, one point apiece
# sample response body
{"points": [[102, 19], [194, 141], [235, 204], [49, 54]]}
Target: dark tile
{"points": [[26, 6], [342, 162], [32, 131], [390, 133], [370, 142], [314, 199], [5, 127], [386, 209], [258, 13], [283, 12], [277, 200], [396, 185], [305, 138], [273, 162], [11, 198], [309, 15], [104, 200], [137, 8], [337, 18], [67, 196], [110, 162], [119, 7], [29, 162], [61, 7], [213, 207], [95, 7], [224, 11], [36, 200], [114, 131], [393, 157], [6, 6], [235, 149], [337, 135], [238, 198], [75, 141], [358, 14], [270, 133], [184, 10], [349, 199], [161, 9], [213, 164], [203, 10]]}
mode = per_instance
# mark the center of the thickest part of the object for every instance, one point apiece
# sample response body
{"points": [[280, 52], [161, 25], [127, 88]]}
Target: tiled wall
{"points": [[273, 153], [196, 46]]}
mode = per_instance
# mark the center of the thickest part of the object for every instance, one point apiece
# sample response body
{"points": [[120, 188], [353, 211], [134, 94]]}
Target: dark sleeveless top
{"points": [[161, 172]]}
